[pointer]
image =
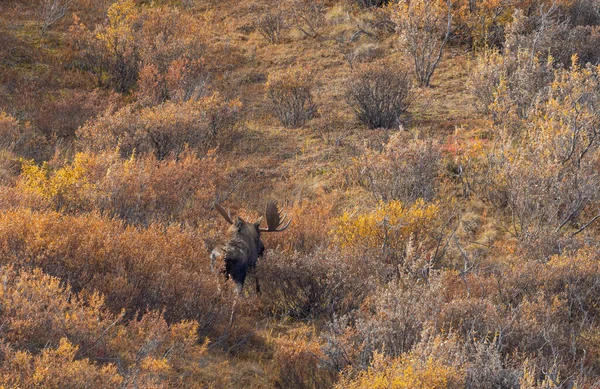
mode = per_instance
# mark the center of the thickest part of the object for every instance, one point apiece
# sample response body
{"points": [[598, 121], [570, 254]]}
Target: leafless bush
{"points": [[585, 13], [289, 95], [420, 24], [379, 95], [585, 41], [390, 321], [271, 25], [488, 371], [53, 11], [308, 285], [308, 16], [407, 170]]}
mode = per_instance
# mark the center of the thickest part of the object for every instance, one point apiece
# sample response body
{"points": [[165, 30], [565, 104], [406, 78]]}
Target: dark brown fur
{"points": [[241, 252]]}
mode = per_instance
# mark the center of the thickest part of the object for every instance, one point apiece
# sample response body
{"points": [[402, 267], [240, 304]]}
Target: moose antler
{"points": [[226, 215], [275, 219]]}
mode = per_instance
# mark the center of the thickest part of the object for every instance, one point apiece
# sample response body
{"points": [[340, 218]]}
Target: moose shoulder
{"points": [[243, 246]]}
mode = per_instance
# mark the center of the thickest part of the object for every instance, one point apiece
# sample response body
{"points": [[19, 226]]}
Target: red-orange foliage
{"points": [[53, 338], [136, 269], [137, 190], [165, 130]]}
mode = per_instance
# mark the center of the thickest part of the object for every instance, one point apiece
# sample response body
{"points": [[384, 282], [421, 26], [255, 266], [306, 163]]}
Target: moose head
{"points": [[244, 247]]}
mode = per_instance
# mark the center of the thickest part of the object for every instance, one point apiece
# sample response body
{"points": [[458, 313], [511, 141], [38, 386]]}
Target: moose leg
{"points": [[235, 300], [257, 285]]}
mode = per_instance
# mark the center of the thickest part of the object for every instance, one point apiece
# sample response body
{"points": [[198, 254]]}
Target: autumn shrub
{"points": [[309, 232], [110, 52], [543, 174], [403, 234], [60, 116], [139, 190], [379, 95], [507, 85], [424, 29], [9, 131], [540, 309], [135, 269], [38, 311], [144, 189], [308, 16], [171, 57], [297, 362], [271, 25], [488, 370], [309, 285], [53, 337], [290, 97], [21, 138], [389, 320], [54, 367], [407, 170], [408, 371], [370, 3], [159, 45], [165, 130]]}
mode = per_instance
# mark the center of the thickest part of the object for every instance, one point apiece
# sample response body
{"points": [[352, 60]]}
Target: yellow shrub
{"points": [[406, 372], [390, 225], [63, 187]]}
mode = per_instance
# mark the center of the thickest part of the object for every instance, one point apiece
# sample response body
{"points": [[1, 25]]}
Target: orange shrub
{"points": [[162, 43], [310, 227], [54, 368], [297, 363], [55, 338], [136, 269], [9, 130], [61, 115], [137, 190], [21, 138], [166, 130]]}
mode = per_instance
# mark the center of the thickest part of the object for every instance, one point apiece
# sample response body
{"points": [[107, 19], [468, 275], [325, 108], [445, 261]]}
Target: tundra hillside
{"points": [[439, 160]]}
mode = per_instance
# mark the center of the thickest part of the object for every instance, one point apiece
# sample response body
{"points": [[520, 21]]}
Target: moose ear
{"points": [[257, 223], [238, 223]]}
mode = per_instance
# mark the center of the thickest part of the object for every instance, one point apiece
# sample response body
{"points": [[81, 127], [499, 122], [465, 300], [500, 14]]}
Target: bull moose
{"points": [[244, 247]]}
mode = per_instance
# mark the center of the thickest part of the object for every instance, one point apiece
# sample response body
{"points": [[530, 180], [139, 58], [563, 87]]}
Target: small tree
{"points": [[424, 28], [378, 96], [290, 98]]}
